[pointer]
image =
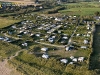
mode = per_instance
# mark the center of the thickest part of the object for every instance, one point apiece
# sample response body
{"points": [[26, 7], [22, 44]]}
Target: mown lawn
{"points": [[6, 22]]}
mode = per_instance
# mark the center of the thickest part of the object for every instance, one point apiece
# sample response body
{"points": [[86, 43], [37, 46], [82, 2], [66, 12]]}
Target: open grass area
{"points": [[6, 22], [6, 50]]}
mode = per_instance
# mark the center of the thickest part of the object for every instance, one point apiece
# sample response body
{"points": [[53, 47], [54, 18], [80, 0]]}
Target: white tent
{"points": [[74, 60], [64, 61], [44, 49], [81, 59], [45, 56]]}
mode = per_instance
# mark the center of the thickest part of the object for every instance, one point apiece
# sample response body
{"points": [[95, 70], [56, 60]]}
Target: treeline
{"points": [[19, 10], [55, 10]]}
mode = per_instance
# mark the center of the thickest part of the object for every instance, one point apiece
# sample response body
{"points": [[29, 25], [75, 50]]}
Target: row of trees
{"points": [[55, 10]]}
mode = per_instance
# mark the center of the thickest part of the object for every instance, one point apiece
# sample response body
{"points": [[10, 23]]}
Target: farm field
{"points": [[82, 9]]}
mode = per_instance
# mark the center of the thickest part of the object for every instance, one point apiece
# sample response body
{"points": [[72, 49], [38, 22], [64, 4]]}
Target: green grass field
{"points": [[6, 22], [80, 11]]}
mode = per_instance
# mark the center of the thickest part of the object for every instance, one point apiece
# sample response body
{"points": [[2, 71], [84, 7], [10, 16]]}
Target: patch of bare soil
{"points": [[7, 70]]}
